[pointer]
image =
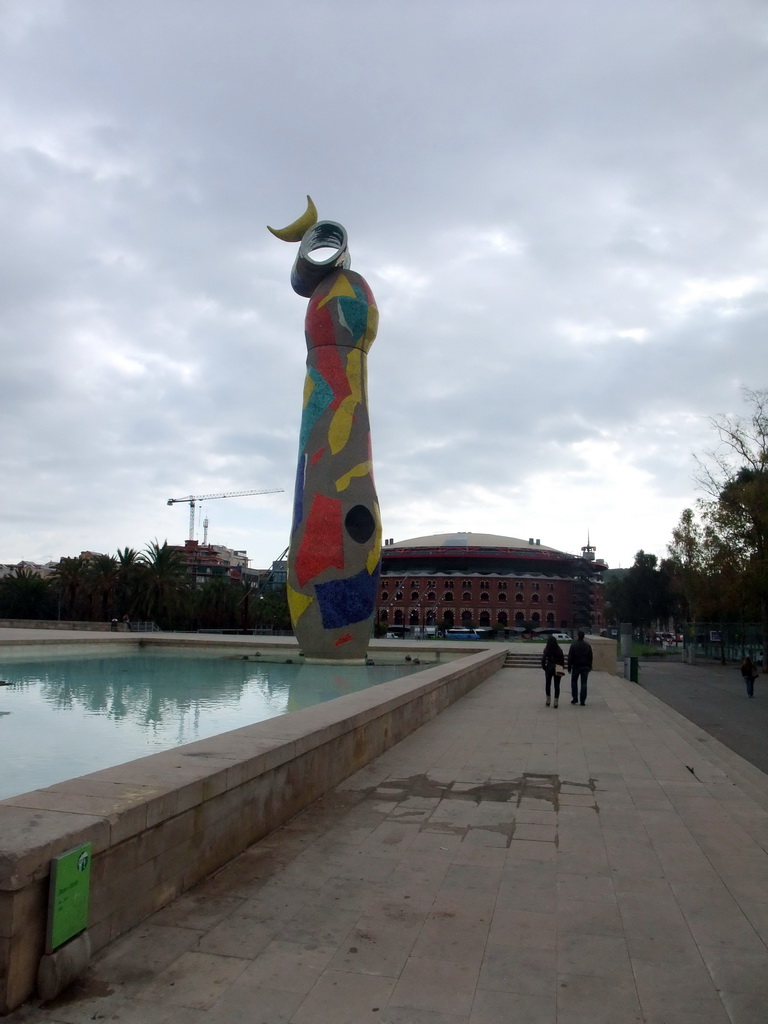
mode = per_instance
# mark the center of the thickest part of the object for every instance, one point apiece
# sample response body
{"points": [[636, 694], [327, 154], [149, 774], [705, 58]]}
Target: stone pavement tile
{"points": [[530, 850], [593, 888], [588, 999], [541, 833], [361, 867], [243, 934], [525, 970], [738, 971], [195, 980], [745, 1007], [494, 1007], [514, 927], [433, 984], [716, 919], [435, 842], [390, 839], [536, 816], [381, 941], [317, 925], [489, 856], [287, 967], [757, 915], [603, 956], [418, 888], [193, 911], [248, 871], [472, 876], [486, 837], [677, 993], [339, 892], [245, 1005], [685, 863], [341, 998], [527, 892], [407, 1015], [655, 929], [82, 1004], [581, 917], [456, 928], [131, 961]]}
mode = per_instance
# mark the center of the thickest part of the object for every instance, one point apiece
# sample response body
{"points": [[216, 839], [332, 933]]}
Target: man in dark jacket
{"points": [[579, 665]]}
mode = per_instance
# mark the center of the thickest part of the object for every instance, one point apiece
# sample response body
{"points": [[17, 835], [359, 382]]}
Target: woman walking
{"points": [[553, 663], [749, 674]]}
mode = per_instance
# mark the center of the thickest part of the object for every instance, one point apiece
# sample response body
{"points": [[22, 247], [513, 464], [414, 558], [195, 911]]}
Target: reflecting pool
{"points": [[79, 712]]}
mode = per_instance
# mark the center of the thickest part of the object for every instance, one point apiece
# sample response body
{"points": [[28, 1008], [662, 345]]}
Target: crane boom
{"points": [[194, 498]]}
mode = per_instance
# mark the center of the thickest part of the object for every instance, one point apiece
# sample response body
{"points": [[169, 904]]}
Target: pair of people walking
{"points": [[578, 663]]}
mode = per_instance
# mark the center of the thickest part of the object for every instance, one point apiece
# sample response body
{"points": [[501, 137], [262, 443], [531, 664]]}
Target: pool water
{"points": [[78, 713]]}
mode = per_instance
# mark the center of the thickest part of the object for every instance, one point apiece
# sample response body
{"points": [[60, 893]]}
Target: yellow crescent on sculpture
{"points": [[296, 231]]}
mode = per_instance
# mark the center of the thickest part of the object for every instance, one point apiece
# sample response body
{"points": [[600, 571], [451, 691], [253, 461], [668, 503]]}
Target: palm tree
{"points": [[129, 575], [25, 595], [163, 585], [102, 578], [69, 580]]}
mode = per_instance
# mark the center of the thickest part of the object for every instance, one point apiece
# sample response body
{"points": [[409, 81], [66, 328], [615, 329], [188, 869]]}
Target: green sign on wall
{"points": [[68, 906]]}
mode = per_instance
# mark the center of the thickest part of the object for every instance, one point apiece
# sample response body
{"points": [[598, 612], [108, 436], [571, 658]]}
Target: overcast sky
{"points": [[561, 207]]}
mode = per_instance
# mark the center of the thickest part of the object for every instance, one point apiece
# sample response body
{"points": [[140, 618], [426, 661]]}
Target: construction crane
{"points": [[194, 498]]}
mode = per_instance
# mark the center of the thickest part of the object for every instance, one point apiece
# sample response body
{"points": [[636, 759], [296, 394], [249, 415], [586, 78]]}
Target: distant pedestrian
{"points": [[553, 663], [749, 675], [579, 665]]}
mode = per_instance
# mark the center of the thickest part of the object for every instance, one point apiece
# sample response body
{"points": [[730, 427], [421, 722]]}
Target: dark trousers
{"points": [[749, 682], [549, 675], [579, 673]]}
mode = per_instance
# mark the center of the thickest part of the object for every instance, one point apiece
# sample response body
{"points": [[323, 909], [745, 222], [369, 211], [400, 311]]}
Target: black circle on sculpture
{"points": [[360, 524]]}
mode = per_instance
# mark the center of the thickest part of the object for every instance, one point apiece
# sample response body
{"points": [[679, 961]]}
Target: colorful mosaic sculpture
{"points": [[335, 548]]}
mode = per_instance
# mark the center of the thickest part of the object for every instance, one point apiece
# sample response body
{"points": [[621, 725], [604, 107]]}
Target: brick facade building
{"points": [[484, 580]]}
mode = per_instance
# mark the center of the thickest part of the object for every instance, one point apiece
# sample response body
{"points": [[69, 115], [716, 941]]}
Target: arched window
{"points": [[536, 617], [384, 595], [384, 616], [534, 598], [466, 616], [466, 596], [518, 597], [502, 619], [414, 617], [447, 596], [550, 598], [502, 597], [550, 618], [398, 616], [485, 619], [519, 617], [431, 596], [399, 595], [415, 595], [485, 596], [448, 616]]}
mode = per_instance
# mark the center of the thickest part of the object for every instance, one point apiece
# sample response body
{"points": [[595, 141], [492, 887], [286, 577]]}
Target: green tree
{"points": [[102, 581], [130, 568], [69, 580], [163, 595], [26, 595], [735, 476]]}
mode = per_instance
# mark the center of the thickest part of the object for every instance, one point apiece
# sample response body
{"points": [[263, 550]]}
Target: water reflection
{"points": [[63, 718]]}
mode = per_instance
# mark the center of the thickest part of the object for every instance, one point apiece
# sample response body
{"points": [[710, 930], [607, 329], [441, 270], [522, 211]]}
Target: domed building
{"points": [[484, 580]]}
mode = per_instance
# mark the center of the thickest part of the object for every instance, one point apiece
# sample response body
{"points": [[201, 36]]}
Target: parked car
{"points": [[562, 636]]}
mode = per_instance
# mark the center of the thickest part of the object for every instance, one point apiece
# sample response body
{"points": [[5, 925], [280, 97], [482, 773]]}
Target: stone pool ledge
{"points": [[161, 823]]}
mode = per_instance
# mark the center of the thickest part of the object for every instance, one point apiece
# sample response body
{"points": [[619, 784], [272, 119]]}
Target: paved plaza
{"points": [[508, 862]]}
